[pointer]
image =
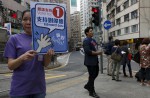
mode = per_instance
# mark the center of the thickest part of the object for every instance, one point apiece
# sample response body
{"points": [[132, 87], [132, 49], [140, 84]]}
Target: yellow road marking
{"points": [[8, 74], [55, 76], [48, 76], [66, 84]]}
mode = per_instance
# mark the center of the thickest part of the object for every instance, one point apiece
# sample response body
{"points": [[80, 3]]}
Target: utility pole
{"points": [[100, 36]]}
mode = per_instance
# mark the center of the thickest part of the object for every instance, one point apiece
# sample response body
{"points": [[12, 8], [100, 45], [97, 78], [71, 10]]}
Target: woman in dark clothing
{"points": [[116, 65], [125, 61]]}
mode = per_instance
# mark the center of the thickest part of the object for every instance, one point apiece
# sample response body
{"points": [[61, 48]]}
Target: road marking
{"points": [[58, 76], [8, 74], [47, 76], [66, 84]]}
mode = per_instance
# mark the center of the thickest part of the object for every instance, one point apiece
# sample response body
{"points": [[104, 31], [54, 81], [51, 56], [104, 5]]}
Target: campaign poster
{"points": [[8, 27], [49, 27]]}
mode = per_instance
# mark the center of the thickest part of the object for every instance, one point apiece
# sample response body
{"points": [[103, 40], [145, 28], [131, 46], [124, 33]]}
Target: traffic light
{"points": [[95, 16]]}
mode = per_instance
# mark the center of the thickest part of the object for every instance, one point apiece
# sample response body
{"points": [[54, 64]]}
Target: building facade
{"points": [[86, 14], [130, 19], [75, 29], [10, 12]]}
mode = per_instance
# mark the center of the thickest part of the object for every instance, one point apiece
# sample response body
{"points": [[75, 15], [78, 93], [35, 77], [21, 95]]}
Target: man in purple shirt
{"points": [[28, 79]]}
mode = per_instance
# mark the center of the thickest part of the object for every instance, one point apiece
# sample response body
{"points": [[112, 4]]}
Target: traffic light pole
{"points": [[100, 35]]}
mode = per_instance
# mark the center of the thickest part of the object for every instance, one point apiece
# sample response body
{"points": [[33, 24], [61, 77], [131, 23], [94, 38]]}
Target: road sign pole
{"points": [[100, 28]]}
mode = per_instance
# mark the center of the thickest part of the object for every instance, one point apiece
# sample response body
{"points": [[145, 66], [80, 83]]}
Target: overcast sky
{"points": [[78, 5]]}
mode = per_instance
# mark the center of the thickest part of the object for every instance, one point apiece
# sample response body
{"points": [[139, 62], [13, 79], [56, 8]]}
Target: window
{"points": [[126, 4], [126, 30], [117, 9], [119, 32], [133, 2], [126, 17], [18, 1], [113, 33], [135, 28], [134, 14], [118, 21], [110, 34], [113, 23]]}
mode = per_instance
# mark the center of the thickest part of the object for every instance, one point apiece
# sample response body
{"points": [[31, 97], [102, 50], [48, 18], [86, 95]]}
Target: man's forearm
{"points": [[96, 53]]}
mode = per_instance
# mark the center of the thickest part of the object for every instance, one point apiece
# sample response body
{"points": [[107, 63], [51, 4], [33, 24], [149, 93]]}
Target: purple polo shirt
{"points": [[29, 77]]}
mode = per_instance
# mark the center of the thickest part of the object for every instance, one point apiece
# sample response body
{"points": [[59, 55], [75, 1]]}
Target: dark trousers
{"points": [[128, 63], [145, 74], [93, 73]]}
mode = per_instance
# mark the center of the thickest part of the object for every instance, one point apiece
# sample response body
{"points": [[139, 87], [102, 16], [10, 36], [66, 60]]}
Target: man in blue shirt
{"points": [[108, 54], [91, 60]]}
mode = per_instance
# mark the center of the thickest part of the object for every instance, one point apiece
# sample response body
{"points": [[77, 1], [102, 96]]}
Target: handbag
{"points": [[115, 56], [137, 57]]}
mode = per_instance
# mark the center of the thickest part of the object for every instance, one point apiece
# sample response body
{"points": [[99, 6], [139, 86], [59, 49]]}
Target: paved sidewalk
{"points": [[60, 62], [4, 68], [106, 88]]}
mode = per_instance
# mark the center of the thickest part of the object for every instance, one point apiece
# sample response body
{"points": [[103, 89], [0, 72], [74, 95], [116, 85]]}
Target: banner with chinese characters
{"points": [[49, 28]]}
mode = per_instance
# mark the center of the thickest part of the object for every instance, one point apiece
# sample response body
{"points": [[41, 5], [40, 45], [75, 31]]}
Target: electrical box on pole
{"points": [[95, 15]]}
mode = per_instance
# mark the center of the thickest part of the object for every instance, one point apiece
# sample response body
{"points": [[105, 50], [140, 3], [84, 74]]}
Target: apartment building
{"points": [[130, 19], [10, 12], [86, 14], [75, 29]]}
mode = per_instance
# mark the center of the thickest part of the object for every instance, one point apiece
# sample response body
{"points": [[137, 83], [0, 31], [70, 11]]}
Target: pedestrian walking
{"points": [[108, 48], [116, 64], [28, 79], [91, 60], [145, 61]]}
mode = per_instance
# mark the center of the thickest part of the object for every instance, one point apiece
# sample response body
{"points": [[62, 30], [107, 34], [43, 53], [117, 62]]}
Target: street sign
{"points": [[107, 24], [8, 27]]}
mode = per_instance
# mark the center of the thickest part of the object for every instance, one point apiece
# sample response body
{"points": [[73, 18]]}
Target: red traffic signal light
{"points": [[95, 10], [95, 16]]}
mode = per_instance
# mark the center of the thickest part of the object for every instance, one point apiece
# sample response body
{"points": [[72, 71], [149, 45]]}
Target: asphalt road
{"points": [[63, 77]]}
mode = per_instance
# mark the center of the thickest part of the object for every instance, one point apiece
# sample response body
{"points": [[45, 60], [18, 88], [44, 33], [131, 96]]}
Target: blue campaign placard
{"points": [[49, 27]]}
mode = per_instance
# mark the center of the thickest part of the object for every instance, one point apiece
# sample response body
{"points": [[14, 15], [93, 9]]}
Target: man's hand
{"points": [[97, 52]]}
